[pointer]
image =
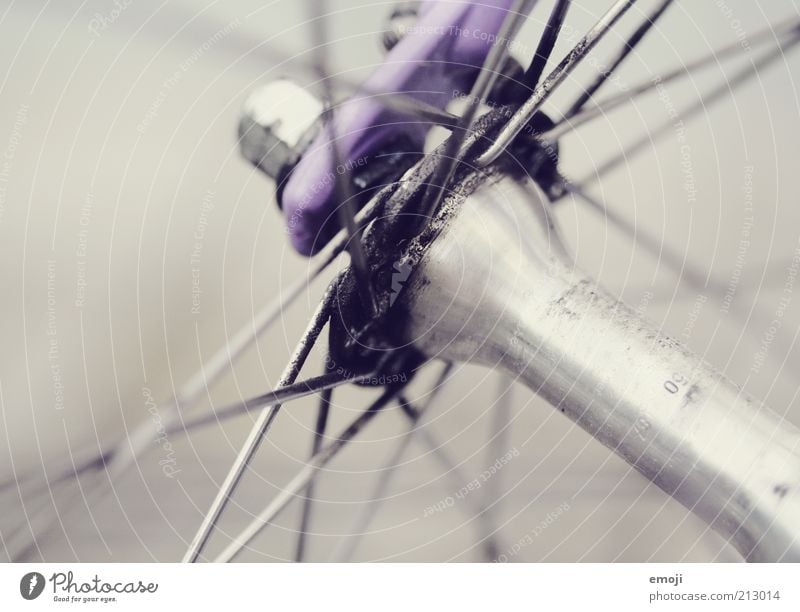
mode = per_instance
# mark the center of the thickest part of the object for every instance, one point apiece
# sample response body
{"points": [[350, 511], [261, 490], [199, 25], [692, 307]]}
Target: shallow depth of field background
{"points": [[118, 150]]}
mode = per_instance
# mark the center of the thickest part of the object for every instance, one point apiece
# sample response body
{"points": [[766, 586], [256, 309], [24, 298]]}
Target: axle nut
{"points": [[279, 120]]}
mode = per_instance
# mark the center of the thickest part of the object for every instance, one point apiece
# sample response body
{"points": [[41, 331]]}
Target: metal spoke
{"points": [[316, 446], [718, 93], [227, 355], [721, 92], [212, 370], [282, 395], [259, 430], [264, 54], [344, 189], [119, 459], [486, 78], [83, 496], [458, 479], [525, 113], [48, 515], [303, 477], [128, 449], [499, 438], [37, 485], [348, 545], [635, 38], [123, 455], [404, 103], [601, 108], [677, 264], [25, 536], [688, 275], [546, 43]]}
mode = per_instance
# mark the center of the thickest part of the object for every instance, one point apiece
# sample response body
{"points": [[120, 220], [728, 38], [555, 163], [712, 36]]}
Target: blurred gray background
{"points": [[119, 129]]}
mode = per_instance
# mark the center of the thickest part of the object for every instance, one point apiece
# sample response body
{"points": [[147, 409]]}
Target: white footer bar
{"points": [[399, 587]]}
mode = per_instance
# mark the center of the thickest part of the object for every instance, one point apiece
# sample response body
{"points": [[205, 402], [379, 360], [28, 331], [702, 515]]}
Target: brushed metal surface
{"points": [[498, 288]]}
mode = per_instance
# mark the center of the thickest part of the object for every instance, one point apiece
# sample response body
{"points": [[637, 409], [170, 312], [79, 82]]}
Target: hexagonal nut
{"points": [[279, 120]]}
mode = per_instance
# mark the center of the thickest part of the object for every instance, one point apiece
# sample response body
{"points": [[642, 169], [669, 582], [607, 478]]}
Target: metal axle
{"points": [[498, 288]]}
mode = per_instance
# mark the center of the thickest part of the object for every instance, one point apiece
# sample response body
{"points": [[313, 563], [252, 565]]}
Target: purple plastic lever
{"points": [[442, 52]]}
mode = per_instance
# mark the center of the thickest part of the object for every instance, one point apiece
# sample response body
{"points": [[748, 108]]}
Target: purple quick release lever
{"points": [[443, 51]]}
